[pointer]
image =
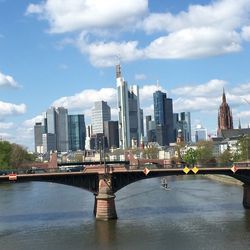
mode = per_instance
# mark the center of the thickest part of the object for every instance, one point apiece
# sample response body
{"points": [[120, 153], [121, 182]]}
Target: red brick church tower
{"points": [[225, 118]]}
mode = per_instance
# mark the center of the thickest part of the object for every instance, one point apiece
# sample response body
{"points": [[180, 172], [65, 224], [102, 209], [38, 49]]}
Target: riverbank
{"points": [[225, 179]]}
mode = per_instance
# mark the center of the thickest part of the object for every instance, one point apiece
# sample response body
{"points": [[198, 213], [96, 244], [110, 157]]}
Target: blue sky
{"points": [[63, 53]]}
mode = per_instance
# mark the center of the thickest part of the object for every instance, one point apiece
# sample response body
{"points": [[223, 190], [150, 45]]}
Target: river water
{"points": [[195, 213]]}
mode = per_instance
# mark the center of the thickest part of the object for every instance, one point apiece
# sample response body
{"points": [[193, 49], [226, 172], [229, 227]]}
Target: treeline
{"points": [[12, 155]]}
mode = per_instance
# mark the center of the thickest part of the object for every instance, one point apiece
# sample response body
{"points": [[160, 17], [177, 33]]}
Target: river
{"points": [[195, 213]]}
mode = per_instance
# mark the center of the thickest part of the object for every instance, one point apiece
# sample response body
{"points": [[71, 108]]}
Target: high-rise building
{"points": [[51, 120], [148, 118], [225, 118], [200, 133], [89, 133], [100, 114], [56, 124], [163, 113], [111, 133], [62, 140], [49, 142], [186, 126], [77, 132], [134, 114], [39, 130], [123, 110]]}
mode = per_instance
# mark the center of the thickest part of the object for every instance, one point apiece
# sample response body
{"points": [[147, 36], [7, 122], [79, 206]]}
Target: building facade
{"points": [[163, 114], [39, 130], [77, 132], [123, 110], [100, 114], [111, 133]]}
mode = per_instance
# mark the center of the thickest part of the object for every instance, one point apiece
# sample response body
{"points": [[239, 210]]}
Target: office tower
{"points": [[49, 142], [56, 123], [100, 114], [39, 130], [51, 120], [151, 131], [111, 133], [148, 118], [89, 133], [176, 124], [142, 123], [77, 132], [123, 110], [62, 141], [225, 118], [163, 113], [200, 133], [186, 126], [134, 114]]}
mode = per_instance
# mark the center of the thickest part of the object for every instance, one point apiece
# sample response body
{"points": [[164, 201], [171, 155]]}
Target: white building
{"points": [[200, 133], [100, 114], [123, 110]]}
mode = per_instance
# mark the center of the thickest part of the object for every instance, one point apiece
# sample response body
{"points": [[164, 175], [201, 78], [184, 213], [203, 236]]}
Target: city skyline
{"points": [[192, 50]]}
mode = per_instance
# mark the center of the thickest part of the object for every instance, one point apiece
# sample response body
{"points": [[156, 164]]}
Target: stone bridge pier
{"points": [[246, 196], [104, 207]]}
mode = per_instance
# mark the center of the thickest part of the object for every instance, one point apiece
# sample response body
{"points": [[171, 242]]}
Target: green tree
{"points": [[225, 157], [244, 148], [5, 151], [205, 152], [150, 152], [191, 156]]}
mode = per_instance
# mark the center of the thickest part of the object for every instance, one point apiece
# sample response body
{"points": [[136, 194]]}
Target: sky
{"points": [[64, 52]]}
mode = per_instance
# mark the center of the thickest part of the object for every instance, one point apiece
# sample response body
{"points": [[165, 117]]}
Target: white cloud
{"points": [[205, 90], [6, 125], [31, 122], [11, 109], [223, 14], [8, 81], [193, 43], [86, 98], [140, 77], [106, 54], [196, 104], [200, 31], [71, 15], [246, 33]]}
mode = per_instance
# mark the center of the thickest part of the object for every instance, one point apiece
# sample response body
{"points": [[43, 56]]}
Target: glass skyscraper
{"points": [[77, 132], [100, 114], [123, 110], [163, 114]]}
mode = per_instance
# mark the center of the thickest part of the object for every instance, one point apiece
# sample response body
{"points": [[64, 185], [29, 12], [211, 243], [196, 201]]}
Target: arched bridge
{"points": [[105, 180]]}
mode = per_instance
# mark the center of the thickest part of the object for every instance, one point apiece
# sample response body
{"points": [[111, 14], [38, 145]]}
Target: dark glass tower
{"points": [[163, 113], [77, 132]]}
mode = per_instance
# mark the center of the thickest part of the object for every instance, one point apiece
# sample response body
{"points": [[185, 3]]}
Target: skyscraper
{"points": [[225, 118], [77, 132], [123, 110], [39, 130], [62, 140], [134, 114], [200, 133], [100, 114], [57, 128], [163, 113], [186, 126], [111, 133]]}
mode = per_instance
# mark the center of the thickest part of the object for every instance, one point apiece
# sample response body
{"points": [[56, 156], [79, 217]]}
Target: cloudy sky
{"points": [[63, 53]]}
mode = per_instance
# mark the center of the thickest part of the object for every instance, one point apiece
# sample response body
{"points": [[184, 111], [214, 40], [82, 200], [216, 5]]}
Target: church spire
{"points": [[224, 100], [225, 119]]}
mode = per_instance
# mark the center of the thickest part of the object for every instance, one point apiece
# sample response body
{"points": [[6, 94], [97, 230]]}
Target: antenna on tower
{"points": [[118, 67], [158, 85]]}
